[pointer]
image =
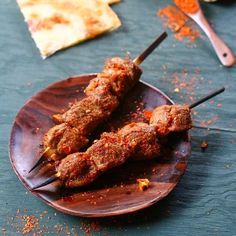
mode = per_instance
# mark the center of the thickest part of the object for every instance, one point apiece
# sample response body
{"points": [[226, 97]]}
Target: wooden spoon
{"points": [[223, 52]]}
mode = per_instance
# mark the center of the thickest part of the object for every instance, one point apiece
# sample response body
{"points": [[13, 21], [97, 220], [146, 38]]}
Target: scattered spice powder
{"points": [[21, 221], [184, 83], [204, 145], [96, 226], [178, 23], [187, 6], [135, 114], [208, 122], [30, 222]]}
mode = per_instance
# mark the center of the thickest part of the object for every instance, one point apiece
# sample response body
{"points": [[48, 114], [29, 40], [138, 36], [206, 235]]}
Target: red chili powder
{"points": [[174, 19], [188, 6], [210, 121], [29, 223]]}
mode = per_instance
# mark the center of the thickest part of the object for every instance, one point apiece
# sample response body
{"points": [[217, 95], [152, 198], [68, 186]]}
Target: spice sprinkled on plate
{"points": [[143, 184]]}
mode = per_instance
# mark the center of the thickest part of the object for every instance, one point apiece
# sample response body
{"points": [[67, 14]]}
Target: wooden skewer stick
{"points": [[209, 96], [138, 60], [41, 159], [200, 101], [51, 179]]}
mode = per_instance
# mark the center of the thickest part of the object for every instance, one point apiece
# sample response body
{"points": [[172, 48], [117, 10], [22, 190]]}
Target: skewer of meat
{"points": [[104, 94], [176, 118], [111, 150], [114, 149]]}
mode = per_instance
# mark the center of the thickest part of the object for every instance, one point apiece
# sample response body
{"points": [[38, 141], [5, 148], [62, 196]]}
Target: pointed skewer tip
{"points": [[48, 181], [40, 160]]}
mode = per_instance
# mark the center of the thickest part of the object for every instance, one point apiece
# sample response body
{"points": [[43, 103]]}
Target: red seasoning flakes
{"points": [[43, 223], [89, 227], [174, 19], [184, 83], [210, 121], [95, 225], [135, 114], [23, 223], [204, 145], [29, 223]]}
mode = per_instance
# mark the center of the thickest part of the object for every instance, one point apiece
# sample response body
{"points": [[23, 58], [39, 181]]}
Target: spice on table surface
{"points": [[180, 24], [210, 121], [185, 83], [30, 222], [204, 145], [40, 223]]}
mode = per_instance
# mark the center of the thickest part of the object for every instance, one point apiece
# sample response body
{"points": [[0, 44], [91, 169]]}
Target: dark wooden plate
{"points": [[116, 192]]}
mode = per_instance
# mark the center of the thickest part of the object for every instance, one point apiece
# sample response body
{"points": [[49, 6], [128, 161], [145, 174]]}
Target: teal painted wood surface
{"points": [[204, 202]]}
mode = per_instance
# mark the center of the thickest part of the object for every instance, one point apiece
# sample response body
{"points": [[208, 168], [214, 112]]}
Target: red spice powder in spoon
{"points": [[188, 6], [177, 22]]}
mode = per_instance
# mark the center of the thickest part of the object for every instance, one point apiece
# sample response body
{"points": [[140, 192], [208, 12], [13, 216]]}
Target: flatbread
{"points": [[111, 1], [58, 24]]}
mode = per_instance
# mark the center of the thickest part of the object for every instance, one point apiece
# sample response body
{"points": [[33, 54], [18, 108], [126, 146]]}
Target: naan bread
{"points": [[111, 1], [58, 24]]}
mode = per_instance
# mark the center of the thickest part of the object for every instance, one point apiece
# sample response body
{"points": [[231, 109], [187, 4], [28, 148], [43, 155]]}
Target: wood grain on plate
{"points": [[115, 192]]}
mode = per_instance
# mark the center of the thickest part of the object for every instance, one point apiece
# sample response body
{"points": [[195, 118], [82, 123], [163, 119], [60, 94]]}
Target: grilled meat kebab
{"points": [[134, 141], [171, 118], [104, 94], [111, 150]]}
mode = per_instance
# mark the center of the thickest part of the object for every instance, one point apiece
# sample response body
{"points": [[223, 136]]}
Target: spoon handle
{"points": [[223, 52]]}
